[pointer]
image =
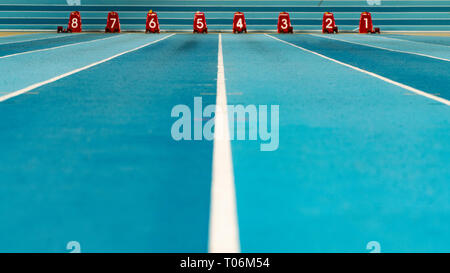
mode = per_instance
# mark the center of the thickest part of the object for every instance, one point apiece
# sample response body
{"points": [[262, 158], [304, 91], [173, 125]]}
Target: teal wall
{"points": [[260, 14]]}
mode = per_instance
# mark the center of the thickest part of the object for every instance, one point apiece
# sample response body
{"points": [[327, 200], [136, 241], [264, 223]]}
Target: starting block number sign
{"points": [[200, 23], [112, 23], [74, 22], [152, 24], [365, 23], [284, 23], [328, 23], [239, 24]]}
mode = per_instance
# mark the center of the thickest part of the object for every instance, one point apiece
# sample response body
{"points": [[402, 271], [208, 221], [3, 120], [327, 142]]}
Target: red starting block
{"points": [[112, 22], [239, 24], [152, 24], [328, 23], [366, 25], [74, 22], [284, 23], [60, 29], [200, 23]]}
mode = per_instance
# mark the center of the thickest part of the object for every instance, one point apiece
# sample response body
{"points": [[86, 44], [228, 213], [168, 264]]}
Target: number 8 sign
{"points": [[74, 22]]}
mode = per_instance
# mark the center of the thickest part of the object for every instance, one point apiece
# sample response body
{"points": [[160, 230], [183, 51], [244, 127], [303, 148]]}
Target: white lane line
{"points": [[409, 41], [56, 47], [39, 84], [404, 86], [383, 48], [223, 222], [45, 38]]}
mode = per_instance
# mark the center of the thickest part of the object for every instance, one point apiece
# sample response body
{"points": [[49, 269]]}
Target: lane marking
{"points": [[383, 48], [404, 86], [46, 38], [223, 222], [56, 47], [406, 41], [39, 84]]}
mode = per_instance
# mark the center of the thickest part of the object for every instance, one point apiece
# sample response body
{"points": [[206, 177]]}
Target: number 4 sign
{"points": [[239, 24], [74, 22], [152, 24], [200, 23], [112, 22]]}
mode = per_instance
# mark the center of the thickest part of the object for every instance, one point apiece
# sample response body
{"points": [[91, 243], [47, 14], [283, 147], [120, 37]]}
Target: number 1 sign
{"points": [[366, 25]]}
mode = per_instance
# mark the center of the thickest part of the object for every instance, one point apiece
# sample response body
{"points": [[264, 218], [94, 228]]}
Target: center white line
{"points": [[223, 222], [39, 84]]}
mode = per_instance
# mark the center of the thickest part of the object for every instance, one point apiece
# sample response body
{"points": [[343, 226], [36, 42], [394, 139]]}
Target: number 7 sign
{"points": [[112, 22]]}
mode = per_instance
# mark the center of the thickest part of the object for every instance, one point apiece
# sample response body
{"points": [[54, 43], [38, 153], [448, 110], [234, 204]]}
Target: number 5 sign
{"points": [[112, 22], [200, 23], [152, 24]]}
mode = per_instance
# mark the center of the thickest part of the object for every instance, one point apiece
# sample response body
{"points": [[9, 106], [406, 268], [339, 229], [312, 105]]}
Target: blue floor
{"points": [[90, 157]]}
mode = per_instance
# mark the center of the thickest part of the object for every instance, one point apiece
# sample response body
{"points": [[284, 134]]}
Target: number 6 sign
{"points": [[112, 22], [152, 24]]}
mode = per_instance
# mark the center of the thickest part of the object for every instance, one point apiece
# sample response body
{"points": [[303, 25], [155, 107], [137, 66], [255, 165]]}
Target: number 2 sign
{"points": [[328, 23]]}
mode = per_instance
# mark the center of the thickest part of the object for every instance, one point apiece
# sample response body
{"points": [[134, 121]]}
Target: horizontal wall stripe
{"points": [[181, 21], [230, 8]]}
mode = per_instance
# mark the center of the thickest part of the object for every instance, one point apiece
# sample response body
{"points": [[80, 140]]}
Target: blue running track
{"points": [[90, 157]]}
